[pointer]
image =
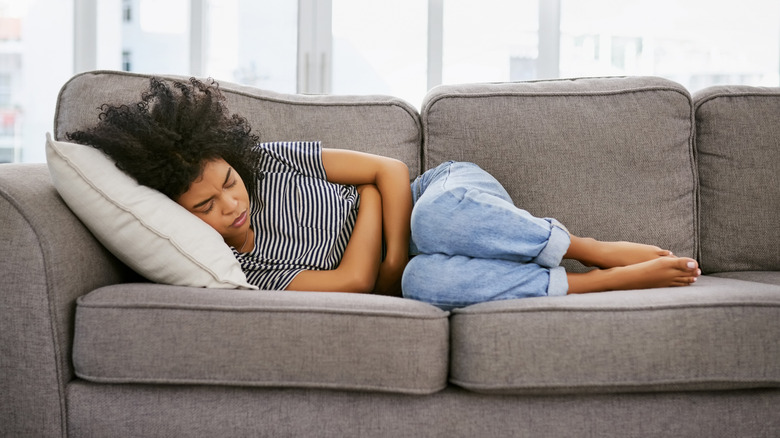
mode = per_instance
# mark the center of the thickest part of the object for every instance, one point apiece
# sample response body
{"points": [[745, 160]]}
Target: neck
{"points": [[248, 243]]}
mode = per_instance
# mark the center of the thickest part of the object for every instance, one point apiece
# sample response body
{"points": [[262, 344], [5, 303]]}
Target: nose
{"points": [[230, 205]]}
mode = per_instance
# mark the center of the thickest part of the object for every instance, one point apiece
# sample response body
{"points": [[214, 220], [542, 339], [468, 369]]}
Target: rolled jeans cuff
{"points": [[559, 283], [557, 245]]}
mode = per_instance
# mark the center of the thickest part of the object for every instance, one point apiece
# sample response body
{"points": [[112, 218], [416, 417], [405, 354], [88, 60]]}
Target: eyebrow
{"points": [[206, 201]]}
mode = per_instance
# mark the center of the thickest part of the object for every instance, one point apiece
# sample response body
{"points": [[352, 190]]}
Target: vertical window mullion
{"points": [[85, 36], [548, 60], [315, 48], [324, 45], [198, 45], [435, 42], [305, 40]]}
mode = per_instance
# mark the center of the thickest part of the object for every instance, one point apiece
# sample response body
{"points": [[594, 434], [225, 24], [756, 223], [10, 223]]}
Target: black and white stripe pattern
{"points": [[301, 221]]}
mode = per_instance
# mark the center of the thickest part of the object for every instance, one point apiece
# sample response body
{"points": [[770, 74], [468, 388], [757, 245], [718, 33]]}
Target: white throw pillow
{"points": [[145, 229]]}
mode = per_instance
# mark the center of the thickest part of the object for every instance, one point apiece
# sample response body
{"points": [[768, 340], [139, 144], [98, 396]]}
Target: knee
{"points": [[427, 279], [413, 276], [420, 275], [433, 215]]}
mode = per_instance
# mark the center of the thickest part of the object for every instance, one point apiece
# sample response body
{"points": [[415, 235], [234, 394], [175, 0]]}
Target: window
{"points": [[127, 11], [127, 60], [379, 47], [400, 48], [159, 40], [5, 89], [697, 43], [253, 42], [38, 60], [489, 40]]}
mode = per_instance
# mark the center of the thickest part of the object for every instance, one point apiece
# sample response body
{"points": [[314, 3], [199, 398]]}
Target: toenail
{"points": [[691, 265]]}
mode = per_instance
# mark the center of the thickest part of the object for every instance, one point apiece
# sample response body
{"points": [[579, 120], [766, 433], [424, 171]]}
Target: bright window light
{"points": [[165, 16]]}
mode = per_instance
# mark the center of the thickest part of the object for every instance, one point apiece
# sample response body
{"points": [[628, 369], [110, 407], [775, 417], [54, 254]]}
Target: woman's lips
{"points": [[240, 220]]}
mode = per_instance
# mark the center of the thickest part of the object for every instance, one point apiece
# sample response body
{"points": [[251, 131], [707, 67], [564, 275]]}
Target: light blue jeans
{"points": [[471, 244]]}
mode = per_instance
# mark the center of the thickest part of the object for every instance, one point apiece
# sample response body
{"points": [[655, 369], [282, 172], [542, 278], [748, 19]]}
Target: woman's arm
{"points": [[391, 177], [357, 271]]}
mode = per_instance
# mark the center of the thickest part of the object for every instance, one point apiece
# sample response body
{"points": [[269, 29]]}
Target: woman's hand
{"points": [[389, 280], [391, 177], [385, 211], [359, 266]]}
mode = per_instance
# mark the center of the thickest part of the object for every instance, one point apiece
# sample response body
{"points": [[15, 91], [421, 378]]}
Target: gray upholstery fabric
{"points": [[630, 141], [47, 260], [738, 154], [771, 277], [376, 124], [165, 334], [610, 158], [717, 334], [193, 411]]}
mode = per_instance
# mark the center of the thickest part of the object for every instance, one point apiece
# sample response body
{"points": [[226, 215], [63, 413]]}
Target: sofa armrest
{"points": [[47, 260]]}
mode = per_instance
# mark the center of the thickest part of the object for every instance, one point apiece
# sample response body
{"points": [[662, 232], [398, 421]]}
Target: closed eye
{"points": [[210, 207], [210, 201]]}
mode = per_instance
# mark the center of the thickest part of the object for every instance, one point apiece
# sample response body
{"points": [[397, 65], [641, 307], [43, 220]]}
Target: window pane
{"points": [[696, 42], [379, 47], [253, 42], [33, 67], [490, 40], [156, 36]]}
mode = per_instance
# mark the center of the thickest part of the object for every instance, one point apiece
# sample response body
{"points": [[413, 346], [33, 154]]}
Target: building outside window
{"points": [[10, 75], [400, 48]]}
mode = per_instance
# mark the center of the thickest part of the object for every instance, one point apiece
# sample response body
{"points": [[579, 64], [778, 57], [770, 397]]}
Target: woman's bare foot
{"points": [[595, 253], [665, 271]]}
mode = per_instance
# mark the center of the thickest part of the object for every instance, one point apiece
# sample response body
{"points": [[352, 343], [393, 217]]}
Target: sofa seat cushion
{"points": [[148, 333], [717, 334]]}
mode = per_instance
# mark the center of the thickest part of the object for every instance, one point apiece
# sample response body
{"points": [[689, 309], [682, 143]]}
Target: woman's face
{"points": [[220, 199]]}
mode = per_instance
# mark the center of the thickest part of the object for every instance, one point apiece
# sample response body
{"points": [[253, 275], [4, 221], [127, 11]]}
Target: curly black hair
{"points": [[165, 140]]}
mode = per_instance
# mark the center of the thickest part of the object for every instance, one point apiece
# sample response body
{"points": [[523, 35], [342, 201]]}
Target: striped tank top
{"points": [[301, 221]]}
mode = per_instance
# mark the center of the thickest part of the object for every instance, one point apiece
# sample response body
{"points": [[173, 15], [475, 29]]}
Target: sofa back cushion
{"points": [[609, 157], [738, 154], [376, 124]]}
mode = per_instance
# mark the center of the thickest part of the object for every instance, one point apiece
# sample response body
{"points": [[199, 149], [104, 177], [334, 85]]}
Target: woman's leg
{"points": [[465, 211], [494, 250], [667, 271], [595, 253], [450, 282]]}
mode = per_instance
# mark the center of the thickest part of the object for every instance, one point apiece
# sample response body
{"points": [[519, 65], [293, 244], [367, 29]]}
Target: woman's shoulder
{"points": [[302, 157]]}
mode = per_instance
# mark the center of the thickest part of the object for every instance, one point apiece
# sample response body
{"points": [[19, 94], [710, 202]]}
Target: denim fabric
{"points": [[471, 244]]}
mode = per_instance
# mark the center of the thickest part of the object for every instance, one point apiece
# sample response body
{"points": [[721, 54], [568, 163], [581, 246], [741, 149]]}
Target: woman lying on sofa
{"points": [[302, 217]]}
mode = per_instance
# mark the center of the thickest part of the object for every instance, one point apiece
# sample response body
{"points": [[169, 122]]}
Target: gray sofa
{"points": [[89, 348]]}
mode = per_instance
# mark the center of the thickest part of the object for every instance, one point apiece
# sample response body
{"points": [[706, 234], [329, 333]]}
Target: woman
{"points": [[301, 217]]}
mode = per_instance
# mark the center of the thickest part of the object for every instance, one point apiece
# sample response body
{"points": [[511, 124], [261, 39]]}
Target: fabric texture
{"points": [[376, 124], [145, 229], [47, 259], [718, 334], [771, 277], [610, 158], [301, 220], [471, 244], [142, 333], [738, 154], [666, 356], [207, 412]]}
